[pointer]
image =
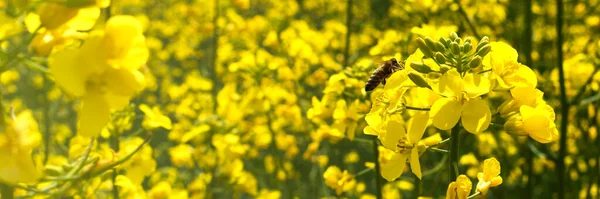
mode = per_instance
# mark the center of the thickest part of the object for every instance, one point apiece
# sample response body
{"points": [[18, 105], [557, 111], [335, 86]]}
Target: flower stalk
{"points": [[453, 162]]}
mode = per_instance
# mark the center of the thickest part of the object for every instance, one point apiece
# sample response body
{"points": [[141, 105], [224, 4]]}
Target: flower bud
{"points": [[467, 47], [445, 42], [430, 43], [418, 79], [514, 125], [453, 36], [420, 67], [440, 47], [440, 58], [468, 40], [475, 62], [421, 43], [444, 69], [484, 50], [455, 48], [481, 44], [51, 170]]}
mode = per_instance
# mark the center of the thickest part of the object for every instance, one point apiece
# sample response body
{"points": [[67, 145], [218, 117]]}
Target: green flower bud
{"points": [[421, 67], [475, 62], [481, 44], [467, 47], [430, 43], [440, 47], [484, 50], [418, 79], [445, 42], [444, 69], [421, 43], [439, 57], [52, 170], [468, 40], [455, 48], [453, 36]]}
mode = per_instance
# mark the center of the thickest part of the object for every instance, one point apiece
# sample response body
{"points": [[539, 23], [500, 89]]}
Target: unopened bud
{"points": [[475, 62], [468, 40], [51, 170], [420, 67], [514, 125], [467, 47], [484, 50], [418, 79], [440, 47], [421, 43], [439, 57], [455, 48], [430, 43], [444, 69], [453, 36]]}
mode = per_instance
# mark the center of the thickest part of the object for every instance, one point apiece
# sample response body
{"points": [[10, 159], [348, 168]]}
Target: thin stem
{"points": [[47, 122], [364, 171], [417, 108], [474, 195], [560, 171], [464, 15], [378, 185], [454, 135], [6, 191], [115, 146], [438, 150], [441, 142], [348, 32]]}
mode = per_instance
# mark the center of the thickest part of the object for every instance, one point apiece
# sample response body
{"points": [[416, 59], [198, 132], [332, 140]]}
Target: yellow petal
{"points": [[450, 84], [415, 165], [67, 73], [123, 82], [394, 167], [445, 113], [417, 125], [85, 19], [370, 131], [394, 132], [340, 110], [476, 85], [93, 115], [476, 116]]}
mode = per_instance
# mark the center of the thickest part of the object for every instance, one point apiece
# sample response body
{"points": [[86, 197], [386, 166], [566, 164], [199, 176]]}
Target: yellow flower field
{"points": [[267, 99]]}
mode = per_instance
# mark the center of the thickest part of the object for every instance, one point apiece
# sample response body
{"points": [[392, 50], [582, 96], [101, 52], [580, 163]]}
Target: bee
{"points": [[383, 72]]}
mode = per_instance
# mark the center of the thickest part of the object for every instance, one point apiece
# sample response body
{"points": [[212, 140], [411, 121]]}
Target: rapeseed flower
{"points": [[110, 77]]}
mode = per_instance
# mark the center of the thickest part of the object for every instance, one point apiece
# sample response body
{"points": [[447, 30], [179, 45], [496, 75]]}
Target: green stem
{"points": [[6, 191], [438, 150], [378, 184], [564, 116], [474, 195], [348, 32], [417, 108], [464, 15], [441, 142], [453, 164], [364, 171]]}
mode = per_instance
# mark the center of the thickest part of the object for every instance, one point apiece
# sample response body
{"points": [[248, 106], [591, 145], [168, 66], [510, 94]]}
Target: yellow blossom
{"points": [[490, 177], [338, 180], [460, 188], [111, 76], [20, 137], [154, 118]]}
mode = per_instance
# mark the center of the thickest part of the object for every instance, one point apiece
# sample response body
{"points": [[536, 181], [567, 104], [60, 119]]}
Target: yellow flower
{"points": [[461, 102], [460, 188], [181, 155], [507, 72], [346, 118], [18, 140], [340, 182], [160, 190], [110, 76], [490, 176], [142, 164], [154, 118], [404, 141], [528, 96], [537, 122]]}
